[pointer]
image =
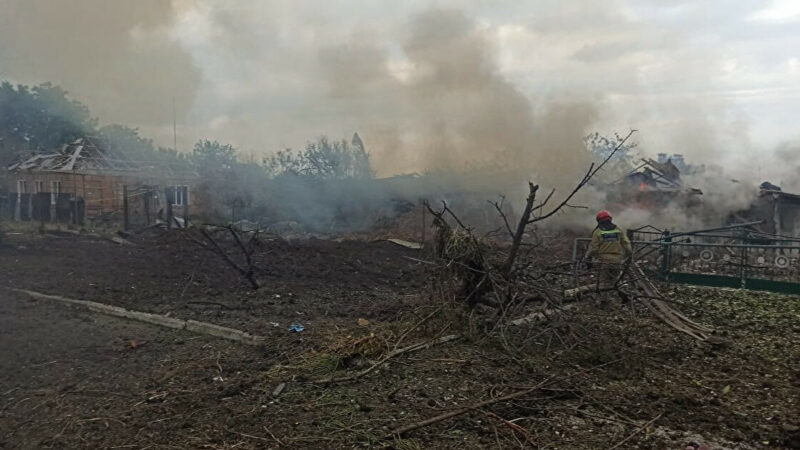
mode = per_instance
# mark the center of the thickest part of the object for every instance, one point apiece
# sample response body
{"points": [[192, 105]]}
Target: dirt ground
{"points": [[610, 374]]}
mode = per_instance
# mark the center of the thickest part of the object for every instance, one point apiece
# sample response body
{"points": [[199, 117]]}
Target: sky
{"points": [[428, 84]]}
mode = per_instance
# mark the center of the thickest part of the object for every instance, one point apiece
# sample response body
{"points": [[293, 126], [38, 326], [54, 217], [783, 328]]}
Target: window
{"points": [[21, 187], [181, 195], [55, 189], [39, 186]]}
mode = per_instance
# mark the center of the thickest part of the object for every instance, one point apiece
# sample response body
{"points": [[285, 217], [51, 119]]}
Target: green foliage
{"points": [[39, 118], [43, 118], [602, 146], [212, 157], [121, 139], [126, 144], [623, 160], [228, 187], [323, 159], [322, 182]]}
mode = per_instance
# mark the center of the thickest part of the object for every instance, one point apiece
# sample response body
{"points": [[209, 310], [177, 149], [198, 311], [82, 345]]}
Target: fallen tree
{"points": [[505, 277], [489, 270]]}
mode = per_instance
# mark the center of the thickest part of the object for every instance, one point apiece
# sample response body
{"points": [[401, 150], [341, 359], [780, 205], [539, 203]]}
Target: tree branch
{"points": [[517, 237], [586, 178], [215, 247], [499, 208]]}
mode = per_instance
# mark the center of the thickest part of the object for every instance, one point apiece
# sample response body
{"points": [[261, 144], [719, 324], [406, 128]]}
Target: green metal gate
{"points": [[734, 256]]}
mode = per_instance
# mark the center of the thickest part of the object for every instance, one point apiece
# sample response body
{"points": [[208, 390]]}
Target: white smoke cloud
{"points": [[498, 86], [712, 80]]}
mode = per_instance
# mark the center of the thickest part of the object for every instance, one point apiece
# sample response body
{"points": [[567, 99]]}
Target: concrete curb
{"points": [[193, 326], [223, 332]]}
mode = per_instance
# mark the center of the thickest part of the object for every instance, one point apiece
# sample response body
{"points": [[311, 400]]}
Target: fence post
{"points": [[43, 202], [147, 200], [169, 208], [743, 268], [51, 204], [186, 208], [125, 222], [423, 222], [666, 254]]}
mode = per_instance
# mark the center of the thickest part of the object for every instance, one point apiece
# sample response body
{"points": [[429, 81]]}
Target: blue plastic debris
{"points": [[296, 327]]}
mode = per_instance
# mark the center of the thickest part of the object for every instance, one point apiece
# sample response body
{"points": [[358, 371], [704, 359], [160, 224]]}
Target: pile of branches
{"points": [[463, 257], [498, 278], [507, 276], [502, 276]]}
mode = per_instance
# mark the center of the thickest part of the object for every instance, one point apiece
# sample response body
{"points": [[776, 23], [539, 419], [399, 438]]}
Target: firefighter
{"points": [[610, 246]]}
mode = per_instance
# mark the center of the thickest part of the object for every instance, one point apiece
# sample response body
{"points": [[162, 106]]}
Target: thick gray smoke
{"points": [[482, 100], [722, 197], [787, 163], [456, 117], [117, 57], [471, 130], [449, 113], [454, 110]]}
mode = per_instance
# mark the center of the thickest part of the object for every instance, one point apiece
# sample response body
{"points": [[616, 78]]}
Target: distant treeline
{"points": [[42, 118], [289, 185]]}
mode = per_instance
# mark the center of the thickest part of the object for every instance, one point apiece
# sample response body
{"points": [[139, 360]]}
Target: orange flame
{"points": [[642, 187]]}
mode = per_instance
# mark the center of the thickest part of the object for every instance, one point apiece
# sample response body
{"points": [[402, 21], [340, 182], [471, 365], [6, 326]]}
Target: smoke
{"points": [[119, 58], [788, 165], [481, 99], [722, 198], [455, 111]]}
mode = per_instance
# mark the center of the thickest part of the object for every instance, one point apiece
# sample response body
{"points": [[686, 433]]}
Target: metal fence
{"points": [[722, 260]]}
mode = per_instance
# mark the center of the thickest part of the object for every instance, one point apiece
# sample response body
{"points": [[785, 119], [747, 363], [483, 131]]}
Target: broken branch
{"points": [[215, 247], [441, 417], [390, 355], [638, 430], [402, 430], [585, 180]]}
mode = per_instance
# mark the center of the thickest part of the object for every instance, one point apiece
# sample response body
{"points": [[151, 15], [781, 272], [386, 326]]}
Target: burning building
{"points": [[654, 183]]}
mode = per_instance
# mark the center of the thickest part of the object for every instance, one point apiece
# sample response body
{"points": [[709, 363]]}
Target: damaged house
{"points": [[654, 183], [780, 211], [83, 180]]}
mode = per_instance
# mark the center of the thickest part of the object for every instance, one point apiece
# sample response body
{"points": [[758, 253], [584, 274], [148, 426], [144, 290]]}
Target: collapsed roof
{"points": [[766, 188], [85, 155], [656, 175]]}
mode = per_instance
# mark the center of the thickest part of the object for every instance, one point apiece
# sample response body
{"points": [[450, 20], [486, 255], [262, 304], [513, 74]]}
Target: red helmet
{"points": [[603, 215]]}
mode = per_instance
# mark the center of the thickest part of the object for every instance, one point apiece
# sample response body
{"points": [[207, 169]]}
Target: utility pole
{"points": [[174, 127]]}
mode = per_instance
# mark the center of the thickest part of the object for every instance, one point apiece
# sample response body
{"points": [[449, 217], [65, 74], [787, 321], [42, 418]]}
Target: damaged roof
{"points": [[768, 188], [657, 175], [85, 155], [81, 154]]}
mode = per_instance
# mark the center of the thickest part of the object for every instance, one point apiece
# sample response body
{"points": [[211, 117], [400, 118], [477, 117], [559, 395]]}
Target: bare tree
{"points": [[246, 269], [465, 255]]}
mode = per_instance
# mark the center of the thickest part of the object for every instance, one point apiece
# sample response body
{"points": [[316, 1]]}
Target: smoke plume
{"points": [[482, 96], [787, 163], [453, 108], [117, 57]]}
